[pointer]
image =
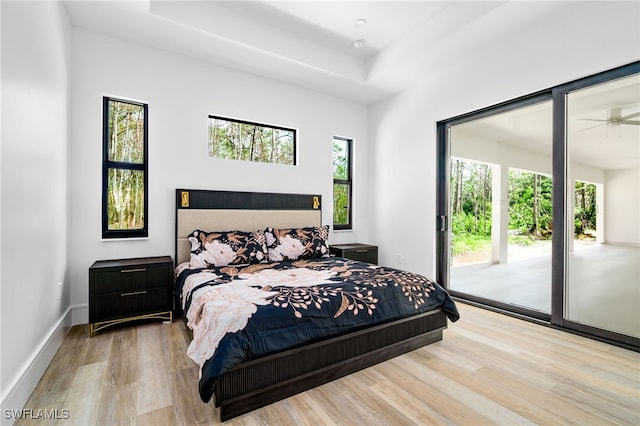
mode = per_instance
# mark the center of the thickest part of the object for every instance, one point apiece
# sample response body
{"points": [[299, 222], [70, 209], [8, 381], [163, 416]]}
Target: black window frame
{"points": [[348, 182], [108, 164], [253, 123], [557, 94]]}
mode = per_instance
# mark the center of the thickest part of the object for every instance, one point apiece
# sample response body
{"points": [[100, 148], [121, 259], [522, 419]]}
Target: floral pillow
{"points": [[301, 243], [226, 248]]}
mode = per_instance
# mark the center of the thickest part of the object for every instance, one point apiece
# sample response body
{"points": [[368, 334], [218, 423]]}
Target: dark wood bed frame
{"points": [[262, 381]]}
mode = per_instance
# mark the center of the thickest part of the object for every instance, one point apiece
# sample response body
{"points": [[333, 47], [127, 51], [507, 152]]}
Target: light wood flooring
{"points": [[489, 369]]}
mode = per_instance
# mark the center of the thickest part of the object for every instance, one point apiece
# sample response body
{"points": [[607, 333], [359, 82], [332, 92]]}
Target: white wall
{"points": [[584, 39], [35, 284], [622, 203], [181, 92]]}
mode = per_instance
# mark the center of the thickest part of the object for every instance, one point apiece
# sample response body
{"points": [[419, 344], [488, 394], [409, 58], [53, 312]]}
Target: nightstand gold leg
{"points": [[95, 327]]}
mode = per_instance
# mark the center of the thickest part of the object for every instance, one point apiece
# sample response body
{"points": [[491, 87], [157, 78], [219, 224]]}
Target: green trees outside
{"points": [[471, 198], [340, 203], [470, 206], [235, 140], [585, 210], [341, 181], [530, 207], [530, 204], [125, 177]]}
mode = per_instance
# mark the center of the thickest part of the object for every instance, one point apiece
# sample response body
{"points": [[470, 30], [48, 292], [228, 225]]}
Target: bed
{"points": [[276, 315]]}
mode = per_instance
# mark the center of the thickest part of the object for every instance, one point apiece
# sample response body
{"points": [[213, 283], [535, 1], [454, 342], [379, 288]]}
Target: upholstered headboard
{"points": [[243, 211]]}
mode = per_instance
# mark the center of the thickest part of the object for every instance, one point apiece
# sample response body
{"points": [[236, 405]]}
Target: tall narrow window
{"points": [[342, 183], [124, 169]]}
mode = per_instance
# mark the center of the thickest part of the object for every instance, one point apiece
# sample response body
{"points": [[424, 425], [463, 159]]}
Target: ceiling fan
{"points": [[615, 119]]}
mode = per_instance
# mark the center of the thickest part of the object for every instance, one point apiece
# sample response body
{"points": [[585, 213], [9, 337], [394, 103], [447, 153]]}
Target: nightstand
{"points": [[356, 251], [130, 289]]}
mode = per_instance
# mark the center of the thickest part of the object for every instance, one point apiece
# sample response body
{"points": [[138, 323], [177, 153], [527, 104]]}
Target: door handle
{"points": [[441, 223]]}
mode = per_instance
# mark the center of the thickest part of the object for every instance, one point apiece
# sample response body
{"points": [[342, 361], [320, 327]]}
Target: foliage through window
{"points": [[124, 169], [530, 204], [242, 140], [585, 210], [342, 183]]}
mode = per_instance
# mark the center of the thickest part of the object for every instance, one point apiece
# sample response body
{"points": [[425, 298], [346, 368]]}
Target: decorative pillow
{"points": [[226, 248], [301, 243]]}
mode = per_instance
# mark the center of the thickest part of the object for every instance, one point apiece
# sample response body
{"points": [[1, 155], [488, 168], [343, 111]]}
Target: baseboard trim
{"points": [[79, 314], [25, 382], [621, 244]]}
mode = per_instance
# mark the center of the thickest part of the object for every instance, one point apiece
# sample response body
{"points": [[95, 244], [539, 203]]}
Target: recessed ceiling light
{"points": [[359, 43], [361, 22]]}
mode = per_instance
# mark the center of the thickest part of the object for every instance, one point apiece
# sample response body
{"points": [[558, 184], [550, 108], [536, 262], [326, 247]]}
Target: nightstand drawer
{"points": [[130, 278], [131, 303], [356, 251], [130, 289]]}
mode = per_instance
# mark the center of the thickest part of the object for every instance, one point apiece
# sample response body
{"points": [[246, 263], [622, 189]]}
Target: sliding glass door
{"points": [[538, 206], [500, 207], [603, 206]]}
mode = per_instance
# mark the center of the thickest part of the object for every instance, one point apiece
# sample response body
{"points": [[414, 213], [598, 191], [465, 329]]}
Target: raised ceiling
{"points": [[310, 43]]}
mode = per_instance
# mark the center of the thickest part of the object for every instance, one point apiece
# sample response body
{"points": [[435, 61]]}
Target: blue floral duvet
{"points": [[238, 314]]}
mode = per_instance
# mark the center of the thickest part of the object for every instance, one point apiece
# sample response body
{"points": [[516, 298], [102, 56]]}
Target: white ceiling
{"points": [[310, 43], [333, 23], [602, 144]]}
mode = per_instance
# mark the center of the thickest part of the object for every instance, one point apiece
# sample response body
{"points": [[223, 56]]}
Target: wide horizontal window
{"points": [[241, 140]]}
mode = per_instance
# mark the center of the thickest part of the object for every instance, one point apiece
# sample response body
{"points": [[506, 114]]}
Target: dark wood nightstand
{"points": [[356, 251], [130, 289]]}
